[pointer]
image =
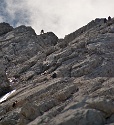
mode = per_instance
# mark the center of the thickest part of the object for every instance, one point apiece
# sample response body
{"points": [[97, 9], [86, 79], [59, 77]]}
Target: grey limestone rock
{"points": [[5, 28], [4, 83], [81, 92]]}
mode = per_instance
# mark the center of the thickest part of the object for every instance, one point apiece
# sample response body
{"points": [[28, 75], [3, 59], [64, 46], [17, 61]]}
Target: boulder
{"points": [[104, 105], [79, 117]]}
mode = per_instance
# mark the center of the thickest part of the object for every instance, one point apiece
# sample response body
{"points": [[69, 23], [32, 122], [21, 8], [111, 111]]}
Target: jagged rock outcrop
{"points": [[60, 81], [92, 24], [5, 28]]}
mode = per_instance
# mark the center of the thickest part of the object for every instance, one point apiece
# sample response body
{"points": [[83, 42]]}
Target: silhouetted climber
{"points": [[54, 75], [42, 32], [109, 18], [14, 104], [105, 20]]}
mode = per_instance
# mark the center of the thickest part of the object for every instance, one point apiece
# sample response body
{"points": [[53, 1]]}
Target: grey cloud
{"points": [[60, 16], [13, 12]]}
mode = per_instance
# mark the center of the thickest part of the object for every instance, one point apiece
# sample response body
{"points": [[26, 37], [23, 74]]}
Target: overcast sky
{"points": [[59, 16]]}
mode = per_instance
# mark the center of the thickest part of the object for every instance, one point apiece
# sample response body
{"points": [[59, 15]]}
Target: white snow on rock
{"points": [[6, 96]]}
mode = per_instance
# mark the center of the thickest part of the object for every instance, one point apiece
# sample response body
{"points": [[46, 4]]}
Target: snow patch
{"points": [[6, 96]]}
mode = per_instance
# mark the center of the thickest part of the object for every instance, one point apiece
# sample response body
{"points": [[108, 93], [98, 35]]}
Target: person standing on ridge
{"points": [[42, 31]]}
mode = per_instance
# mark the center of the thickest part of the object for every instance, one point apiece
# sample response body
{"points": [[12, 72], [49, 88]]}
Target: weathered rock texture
{"points": [[5, 28], [4, 83], [60, 81]]}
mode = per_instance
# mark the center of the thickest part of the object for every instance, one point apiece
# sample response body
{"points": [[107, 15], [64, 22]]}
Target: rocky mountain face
{"points": [[66, 81], [4, 83]]}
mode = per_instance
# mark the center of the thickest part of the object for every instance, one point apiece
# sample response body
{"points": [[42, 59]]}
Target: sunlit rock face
{"points": [[55, 81]]}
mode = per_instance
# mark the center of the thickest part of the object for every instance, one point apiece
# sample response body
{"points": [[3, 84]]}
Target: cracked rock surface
{"points": [[66, 81]]}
